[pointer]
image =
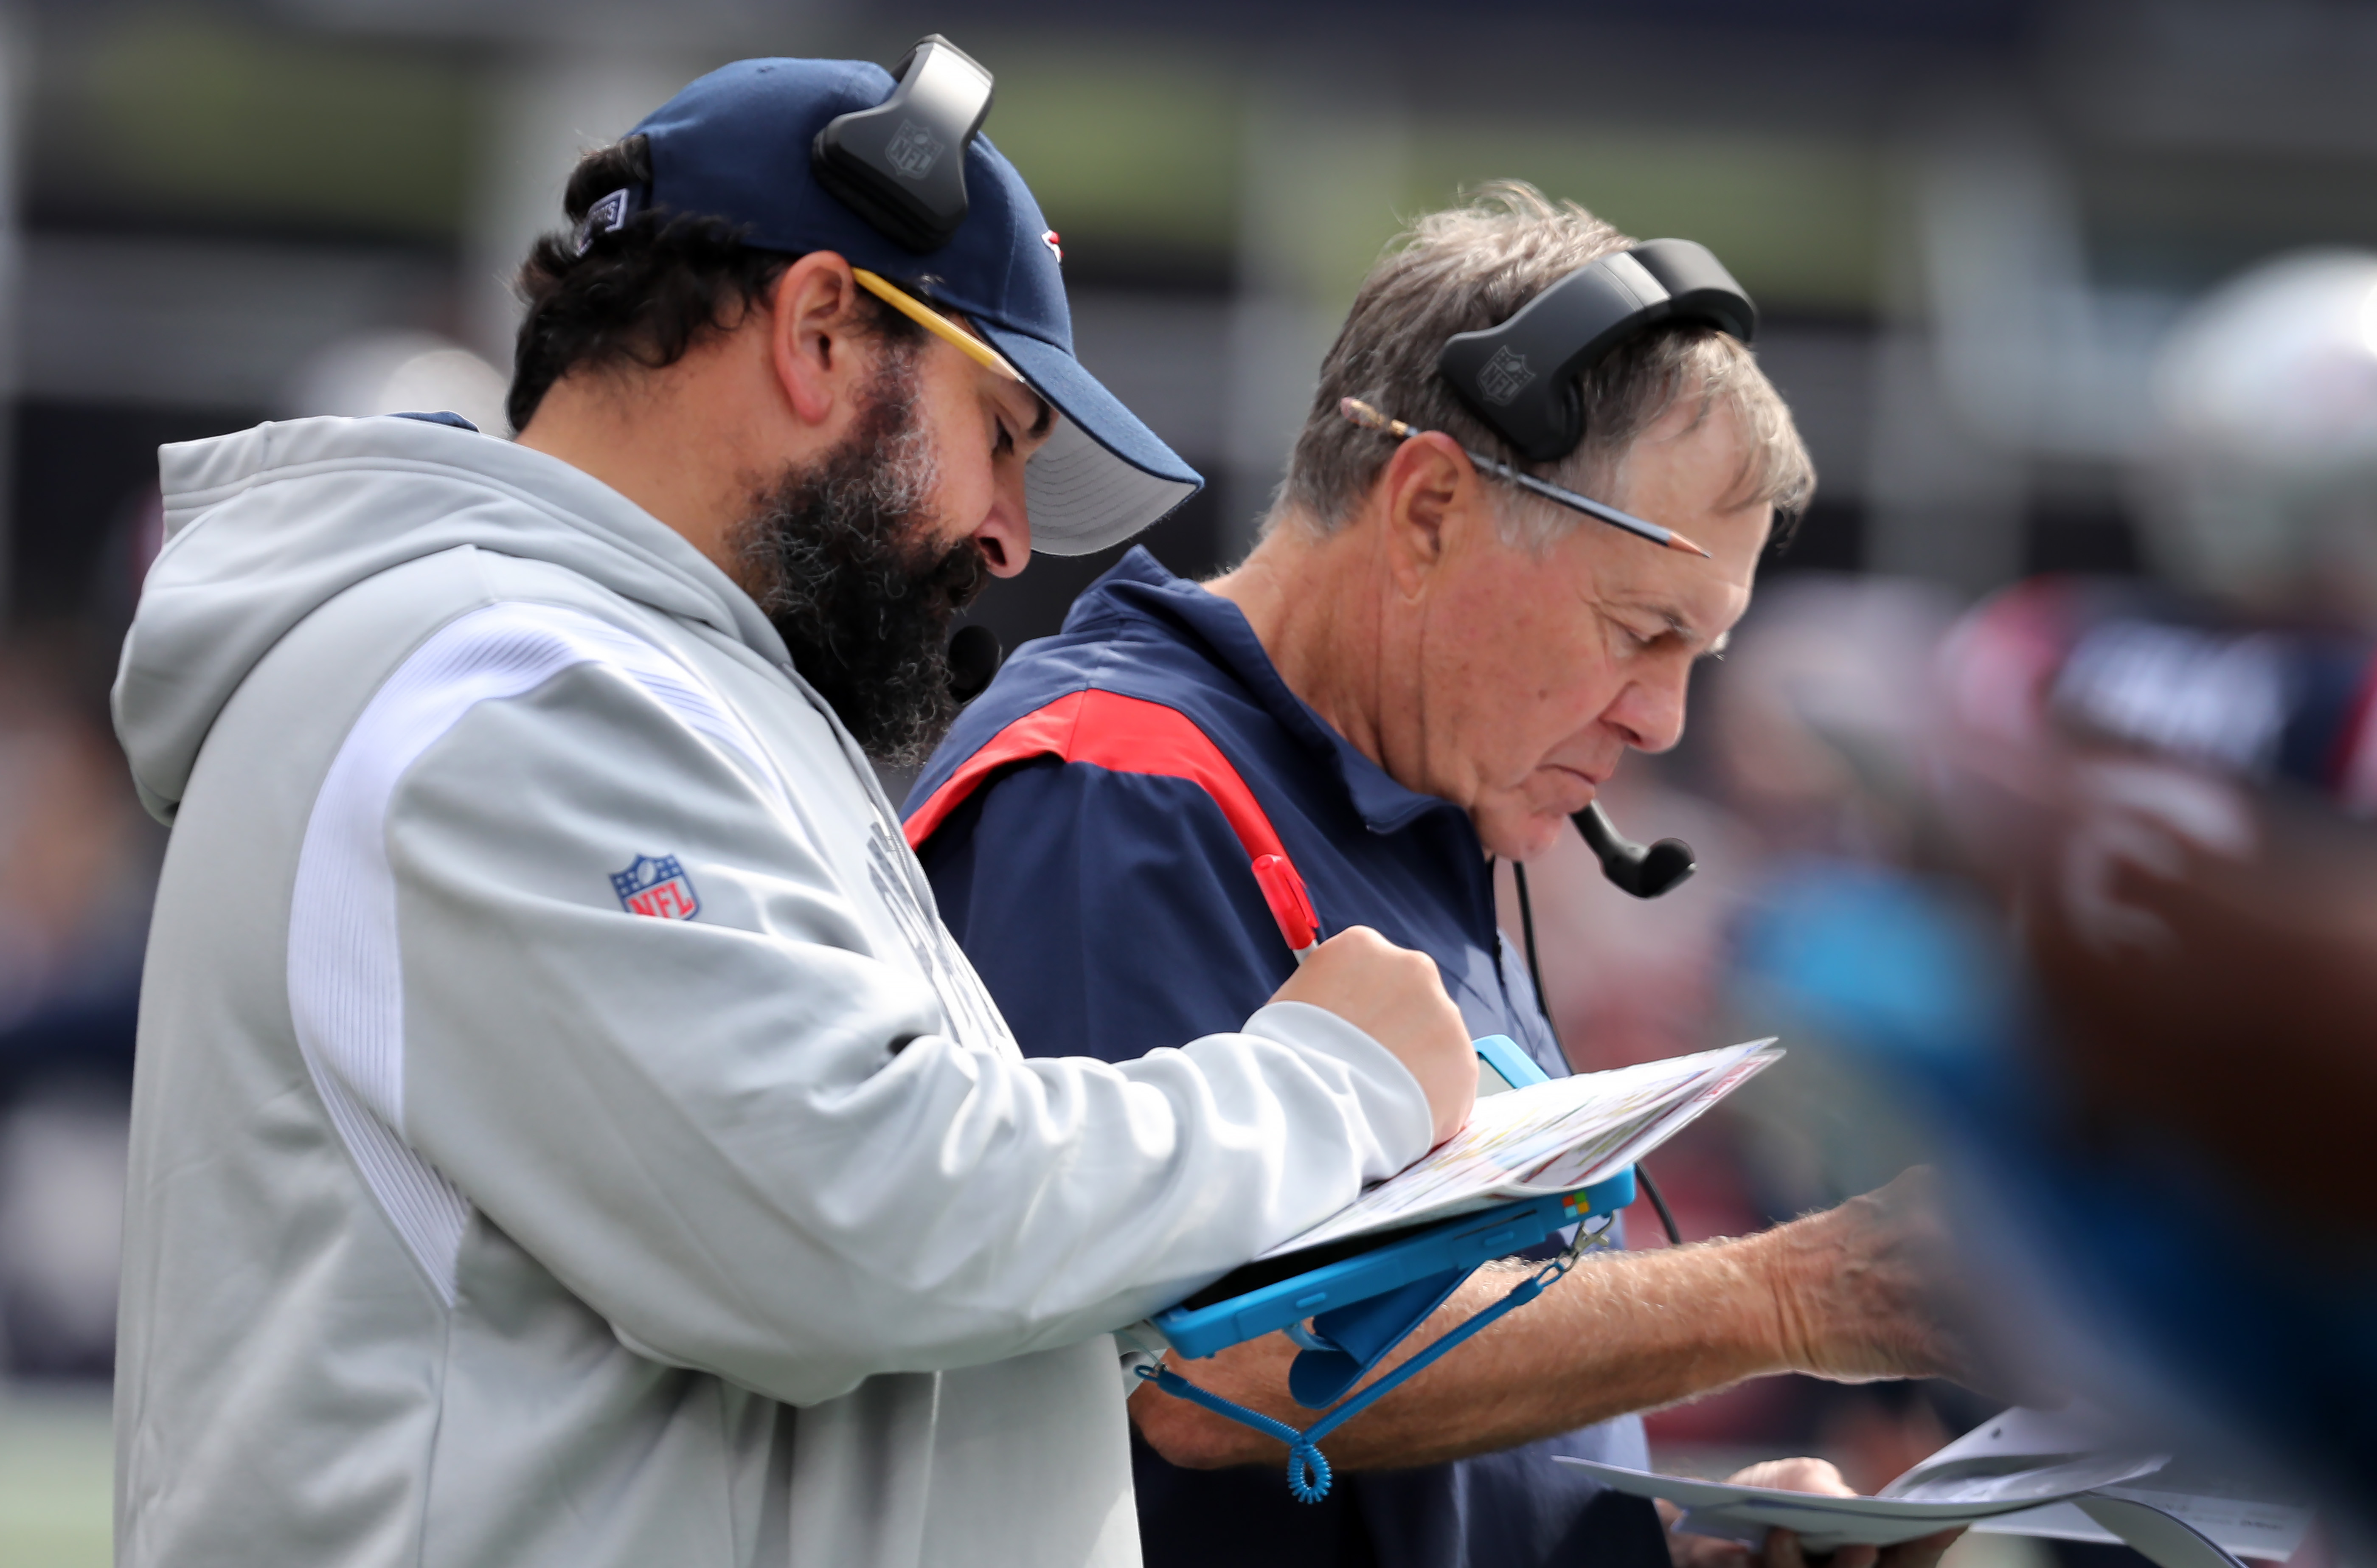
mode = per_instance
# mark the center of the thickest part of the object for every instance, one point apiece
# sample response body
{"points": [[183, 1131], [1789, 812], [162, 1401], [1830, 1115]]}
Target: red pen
{"points": [[1290, 904]]}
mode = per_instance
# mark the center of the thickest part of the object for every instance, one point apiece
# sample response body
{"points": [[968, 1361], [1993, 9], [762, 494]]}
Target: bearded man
{"points": [[564, 1132]]}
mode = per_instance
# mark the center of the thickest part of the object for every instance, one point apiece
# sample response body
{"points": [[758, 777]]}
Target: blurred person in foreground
{"points": [[564, 1132], [1417, 670], [2137, 980]]}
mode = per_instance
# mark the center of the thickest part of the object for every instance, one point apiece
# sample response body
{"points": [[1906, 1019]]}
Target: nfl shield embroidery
{"points": [[657, 886]]}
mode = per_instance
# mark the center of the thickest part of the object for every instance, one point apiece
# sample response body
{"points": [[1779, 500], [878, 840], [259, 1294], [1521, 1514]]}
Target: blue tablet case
{"points": [[1364, 1296], [1264, 1297], [1369, 1287]]}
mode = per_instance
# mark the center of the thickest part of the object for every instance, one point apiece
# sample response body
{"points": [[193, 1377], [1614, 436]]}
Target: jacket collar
{"points": [[1139, 588]]}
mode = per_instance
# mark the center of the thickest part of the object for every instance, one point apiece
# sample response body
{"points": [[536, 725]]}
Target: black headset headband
{"points": [[1522, 377], [893, 163]]}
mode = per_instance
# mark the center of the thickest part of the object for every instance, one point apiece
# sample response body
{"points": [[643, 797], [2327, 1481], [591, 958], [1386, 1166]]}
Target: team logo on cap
{"points": [[605, 215], [656, 886], [1504, 376], [1055, 246], [913, 150]]}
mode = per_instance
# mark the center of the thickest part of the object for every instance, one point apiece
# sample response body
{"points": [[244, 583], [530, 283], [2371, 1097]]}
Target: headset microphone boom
{"points": [[1644, 870]]}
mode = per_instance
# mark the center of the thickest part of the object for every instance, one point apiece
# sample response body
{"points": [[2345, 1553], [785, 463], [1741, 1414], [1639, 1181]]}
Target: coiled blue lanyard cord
{"points": [[1307, 1468]]}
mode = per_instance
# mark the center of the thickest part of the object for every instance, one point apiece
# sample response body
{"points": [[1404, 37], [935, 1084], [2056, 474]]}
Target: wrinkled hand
{"points": [[1870, 1290], [1781, 1547], [1397, 998]]}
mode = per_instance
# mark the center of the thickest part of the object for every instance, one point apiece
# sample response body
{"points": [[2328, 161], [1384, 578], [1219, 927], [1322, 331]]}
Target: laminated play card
{"points": [[1554, 1137]]}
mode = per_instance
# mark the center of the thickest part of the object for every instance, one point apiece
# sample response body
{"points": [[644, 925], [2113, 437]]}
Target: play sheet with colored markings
{"points": [[1551, 1137]]}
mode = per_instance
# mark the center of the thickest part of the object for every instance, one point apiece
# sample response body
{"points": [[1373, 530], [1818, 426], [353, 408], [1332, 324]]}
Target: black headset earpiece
{"points": [[1644, 870], [901, 165], [1522, 377]]}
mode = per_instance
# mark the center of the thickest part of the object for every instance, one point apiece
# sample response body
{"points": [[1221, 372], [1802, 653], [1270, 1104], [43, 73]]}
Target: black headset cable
{"points": [[1543, 1005]]}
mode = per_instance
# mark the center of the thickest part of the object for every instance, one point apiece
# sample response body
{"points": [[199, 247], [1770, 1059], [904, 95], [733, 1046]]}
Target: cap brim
{"points": [[1101, 476]]}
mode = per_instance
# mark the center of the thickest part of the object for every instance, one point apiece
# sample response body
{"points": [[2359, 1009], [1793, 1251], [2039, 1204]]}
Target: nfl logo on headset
{"points": [[913, 150], [1504, 376], [656, 886]]}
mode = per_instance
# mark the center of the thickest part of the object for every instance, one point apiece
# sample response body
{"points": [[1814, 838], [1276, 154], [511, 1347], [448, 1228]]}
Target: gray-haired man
{"points": [[1419, 667]]}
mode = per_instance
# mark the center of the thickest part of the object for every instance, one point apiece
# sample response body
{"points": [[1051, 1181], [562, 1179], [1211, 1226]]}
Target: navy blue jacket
{"points": [[1113, 912]]}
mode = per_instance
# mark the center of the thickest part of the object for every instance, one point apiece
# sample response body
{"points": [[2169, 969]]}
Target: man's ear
{"points": [[1428, 491], [814, 341]]}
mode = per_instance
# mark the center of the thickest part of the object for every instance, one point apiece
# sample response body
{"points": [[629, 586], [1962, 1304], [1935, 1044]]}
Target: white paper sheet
{"points": [[2023, 1472], [2237, 1515], [1551, 1137], [1745, 1514]]}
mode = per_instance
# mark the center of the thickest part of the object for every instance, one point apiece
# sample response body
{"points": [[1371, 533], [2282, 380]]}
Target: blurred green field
{"points": [[56, 1478]]}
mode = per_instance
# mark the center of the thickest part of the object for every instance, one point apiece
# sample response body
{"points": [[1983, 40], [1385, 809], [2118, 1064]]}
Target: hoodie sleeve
{"points": [[745, 1136]]}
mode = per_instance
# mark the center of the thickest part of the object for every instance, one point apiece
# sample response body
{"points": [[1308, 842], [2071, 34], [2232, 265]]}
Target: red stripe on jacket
{"points": [[1124, 734], [1131, 735]]}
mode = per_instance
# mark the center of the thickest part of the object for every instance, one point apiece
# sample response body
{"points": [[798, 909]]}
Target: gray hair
{"points": [[1471, 267]]}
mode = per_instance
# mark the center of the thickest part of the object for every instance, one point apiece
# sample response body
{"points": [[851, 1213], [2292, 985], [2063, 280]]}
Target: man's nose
{"points": [[1651, 711], [1004, 536]]}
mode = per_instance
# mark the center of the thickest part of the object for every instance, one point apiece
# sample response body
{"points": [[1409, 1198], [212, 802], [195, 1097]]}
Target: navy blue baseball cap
{"points": [[736, 145]]}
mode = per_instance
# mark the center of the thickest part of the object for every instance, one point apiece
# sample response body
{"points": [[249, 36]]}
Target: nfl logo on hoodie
{"points": [[657, 887]]}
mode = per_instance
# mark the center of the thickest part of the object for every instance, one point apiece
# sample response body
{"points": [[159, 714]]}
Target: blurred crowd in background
{"points": [[1972, 226]]}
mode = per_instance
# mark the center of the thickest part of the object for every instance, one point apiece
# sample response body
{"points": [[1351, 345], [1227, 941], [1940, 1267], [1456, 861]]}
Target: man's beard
{"points": [[844, 556]]}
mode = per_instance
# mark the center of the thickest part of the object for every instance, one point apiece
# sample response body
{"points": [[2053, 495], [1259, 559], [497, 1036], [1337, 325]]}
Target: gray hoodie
{"points": [[564, 1132]]}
